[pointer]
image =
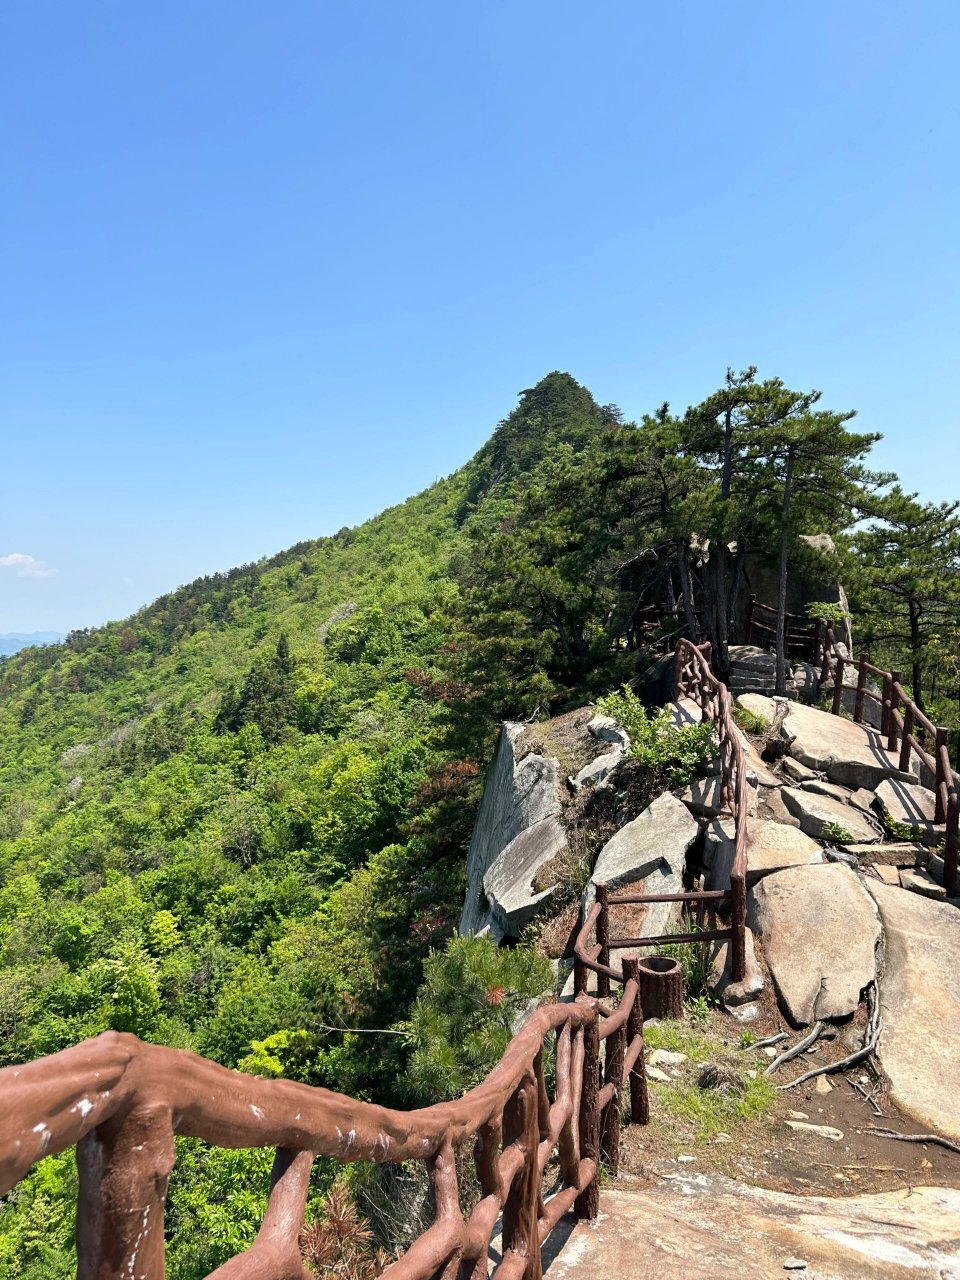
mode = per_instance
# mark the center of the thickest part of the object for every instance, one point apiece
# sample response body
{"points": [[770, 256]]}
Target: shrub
{"points": [[836, 833], [464, 1014], [681, 752]]}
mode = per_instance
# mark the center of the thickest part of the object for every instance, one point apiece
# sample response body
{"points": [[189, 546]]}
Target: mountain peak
{"points": [[556, 410]]}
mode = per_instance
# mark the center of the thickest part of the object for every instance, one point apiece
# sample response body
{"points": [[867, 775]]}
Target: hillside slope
{"points": [[237, 813]]}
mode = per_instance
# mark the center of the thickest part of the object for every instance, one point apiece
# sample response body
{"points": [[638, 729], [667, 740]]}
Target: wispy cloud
{"points": [[25, 566]]}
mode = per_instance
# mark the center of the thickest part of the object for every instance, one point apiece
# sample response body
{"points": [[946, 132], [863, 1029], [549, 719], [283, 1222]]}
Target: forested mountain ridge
{"points": [[232, 814]]}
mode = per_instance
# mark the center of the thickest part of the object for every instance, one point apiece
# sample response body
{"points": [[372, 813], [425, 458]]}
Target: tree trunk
{"points": [[781, 687], [916, 665], [727, 454], [716, 582], [686, 594]]}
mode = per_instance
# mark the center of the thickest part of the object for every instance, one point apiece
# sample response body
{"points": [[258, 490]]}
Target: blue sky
{"points": [[270, 268]]}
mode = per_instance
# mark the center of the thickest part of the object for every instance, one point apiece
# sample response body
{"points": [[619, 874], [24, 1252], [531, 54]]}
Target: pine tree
{"points": [[907, 585]]}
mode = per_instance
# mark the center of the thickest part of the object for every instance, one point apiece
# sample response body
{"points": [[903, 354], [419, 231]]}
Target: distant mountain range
{"points": [[14, 641]]}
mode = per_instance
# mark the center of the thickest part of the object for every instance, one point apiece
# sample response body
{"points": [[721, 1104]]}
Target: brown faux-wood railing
{"points": [[121, 1101], [693, 679], [803, 636], [900, 721]]}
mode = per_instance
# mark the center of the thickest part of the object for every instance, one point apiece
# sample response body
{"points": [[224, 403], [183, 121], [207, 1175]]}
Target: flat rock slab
{"points": [[598, 770], [912, 806], [797, 771], [820, 787], [694, 1227], [770, 847], [508, 883], [920, 1004], [816, 812], [652, 849], [851, 754], [920, 881], [888, 875], [901, 853], [820, 930]]}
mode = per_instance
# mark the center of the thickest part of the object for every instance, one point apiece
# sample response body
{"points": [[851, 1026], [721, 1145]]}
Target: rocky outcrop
{"points": [[820, 931], [651, 850], [519, 795], [508, 883], [920, 1005]]}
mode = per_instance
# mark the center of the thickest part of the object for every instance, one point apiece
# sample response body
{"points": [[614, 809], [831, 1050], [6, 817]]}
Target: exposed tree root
{"points": [[933, 1138], [797, 1049], [870, 1040]]}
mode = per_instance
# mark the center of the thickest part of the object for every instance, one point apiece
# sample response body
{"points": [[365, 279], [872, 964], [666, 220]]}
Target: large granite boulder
{"points": [[651, 850], [852, 754], [920, 1005], [820, 930], [910, 806], [770, 847], [519, 794], [508, 882], [816, 813]]}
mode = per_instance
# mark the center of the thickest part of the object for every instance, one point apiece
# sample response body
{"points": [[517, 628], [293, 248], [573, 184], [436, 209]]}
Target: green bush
{"points": [[681, 752], [464, 1014]]}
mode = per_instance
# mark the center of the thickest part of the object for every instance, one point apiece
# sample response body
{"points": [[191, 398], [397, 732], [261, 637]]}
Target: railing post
{"points": [[639, 1098], [885, 707], [905, 748], [861, 689], [587, 1204], [941, 748], [579, 968], [521, 1234], [892, 723], [678, 669], [952, 846], [738, 919], [603, 937], [124, 1166], [838, 685], [614, 1053]]}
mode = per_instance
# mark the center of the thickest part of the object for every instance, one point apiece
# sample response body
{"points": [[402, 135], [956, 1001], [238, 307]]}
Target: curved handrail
{"points": [[898, 727], [121, 1101], [693, 678]]}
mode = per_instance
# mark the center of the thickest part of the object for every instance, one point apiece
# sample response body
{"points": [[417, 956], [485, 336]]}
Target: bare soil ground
{"points": [[767, 1152]]}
